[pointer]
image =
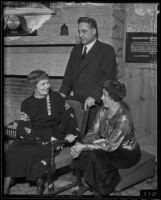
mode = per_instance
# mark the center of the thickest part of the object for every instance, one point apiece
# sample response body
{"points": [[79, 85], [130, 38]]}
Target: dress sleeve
{"points": [[24, 114], [24, 106], [93, 135], [24, 128], [116, 137]]}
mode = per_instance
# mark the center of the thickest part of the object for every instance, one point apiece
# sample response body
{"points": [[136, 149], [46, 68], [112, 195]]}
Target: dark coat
{"points": [[83, 77]]}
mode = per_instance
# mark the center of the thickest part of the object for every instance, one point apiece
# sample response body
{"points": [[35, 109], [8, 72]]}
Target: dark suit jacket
{"points": [[84, 77]]}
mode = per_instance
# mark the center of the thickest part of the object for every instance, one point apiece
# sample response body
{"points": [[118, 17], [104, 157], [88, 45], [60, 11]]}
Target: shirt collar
{"points": [[89, 46]]}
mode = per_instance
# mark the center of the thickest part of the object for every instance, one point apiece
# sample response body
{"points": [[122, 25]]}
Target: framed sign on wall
{"points": [[141, 47]]}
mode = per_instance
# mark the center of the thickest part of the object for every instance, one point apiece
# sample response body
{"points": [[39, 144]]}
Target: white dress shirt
{"points": [[89, 46]]}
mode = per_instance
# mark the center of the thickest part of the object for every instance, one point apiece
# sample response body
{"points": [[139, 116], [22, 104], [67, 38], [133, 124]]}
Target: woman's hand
{"points": [[70, 138], [13, 125], [77, 149], [99, 141], [24, 116]]}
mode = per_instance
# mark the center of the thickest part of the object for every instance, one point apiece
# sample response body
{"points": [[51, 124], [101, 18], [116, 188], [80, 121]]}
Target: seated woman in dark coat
{"points": [[110, 146], [44, 117]]}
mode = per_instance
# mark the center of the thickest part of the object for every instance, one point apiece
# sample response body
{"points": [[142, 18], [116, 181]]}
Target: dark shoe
{"points": [[96, 194], [51, 188], [81, 190]]}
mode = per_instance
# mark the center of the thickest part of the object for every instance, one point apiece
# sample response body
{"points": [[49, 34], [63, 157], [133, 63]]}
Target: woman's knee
{"points": [[92, 155]]}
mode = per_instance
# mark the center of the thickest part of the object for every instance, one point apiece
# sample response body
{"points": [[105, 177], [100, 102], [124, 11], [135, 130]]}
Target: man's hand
{"points": [[90, 101], [53, 139], [63, 95], [70, 138]]}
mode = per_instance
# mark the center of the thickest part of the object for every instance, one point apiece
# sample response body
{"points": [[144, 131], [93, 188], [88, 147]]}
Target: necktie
{"points": [[84, 53]]}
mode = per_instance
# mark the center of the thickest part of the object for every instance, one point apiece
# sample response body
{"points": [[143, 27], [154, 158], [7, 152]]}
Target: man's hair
{"points": [[92, 22]]}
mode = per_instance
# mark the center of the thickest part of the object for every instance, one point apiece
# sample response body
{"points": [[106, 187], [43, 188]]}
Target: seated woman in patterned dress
{"points": [[44, 117], [110, 146]]}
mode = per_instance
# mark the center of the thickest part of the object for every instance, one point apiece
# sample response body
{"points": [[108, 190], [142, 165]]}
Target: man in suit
{"points": [[90, 63]]}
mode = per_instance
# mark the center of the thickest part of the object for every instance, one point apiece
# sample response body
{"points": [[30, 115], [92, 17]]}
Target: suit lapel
{"points": [[89, 56]]}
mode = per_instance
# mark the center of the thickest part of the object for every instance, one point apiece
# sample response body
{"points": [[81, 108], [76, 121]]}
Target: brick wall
{"points": [[15, 91]]}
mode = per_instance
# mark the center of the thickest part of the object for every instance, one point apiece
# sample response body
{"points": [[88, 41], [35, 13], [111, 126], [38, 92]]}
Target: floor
{"points": [[66, 177]]}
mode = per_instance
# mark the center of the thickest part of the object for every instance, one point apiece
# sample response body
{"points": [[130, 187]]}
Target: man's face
{"points": [[86, 33]]}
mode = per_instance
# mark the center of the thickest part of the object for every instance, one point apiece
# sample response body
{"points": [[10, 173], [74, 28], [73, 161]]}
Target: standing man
{"points": [[90, 63]]}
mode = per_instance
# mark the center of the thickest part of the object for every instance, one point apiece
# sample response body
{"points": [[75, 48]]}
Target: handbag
{"points": [[25, 132]]}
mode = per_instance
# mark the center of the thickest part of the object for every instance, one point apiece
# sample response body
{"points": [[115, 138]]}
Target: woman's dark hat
{"points": [[115, 87]]}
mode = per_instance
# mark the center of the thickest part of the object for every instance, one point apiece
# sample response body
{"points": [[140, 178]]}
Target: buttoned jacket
{"points": [[84, 77]]}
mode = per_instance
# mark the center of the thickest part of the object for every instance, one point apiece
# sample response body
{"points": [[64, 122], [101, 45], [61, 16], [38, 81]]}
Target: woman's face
{"points": [[42, 87], [106, 99]]}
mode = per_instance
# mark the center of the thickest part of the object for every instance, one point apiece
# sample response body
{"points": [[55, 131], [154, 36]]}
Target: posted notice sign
{"points": [[141, 47]]}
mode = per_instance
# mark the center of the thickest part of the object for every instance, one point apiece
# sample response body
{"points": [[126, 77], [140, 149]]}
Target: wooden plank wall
{"points": [[141, 78], [142, 97]]}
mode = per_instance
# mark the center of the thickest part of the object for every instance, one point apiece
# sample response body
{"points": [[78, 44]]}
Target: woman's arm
{"points": [[24, 128], [24, 115], [93, 135], [117, 135]]}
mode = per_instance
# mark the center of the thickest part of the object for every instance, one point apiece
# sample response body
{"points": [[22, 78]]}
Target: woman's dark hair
{"points": [[116, 90], [114, 96], [92, 22]]}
